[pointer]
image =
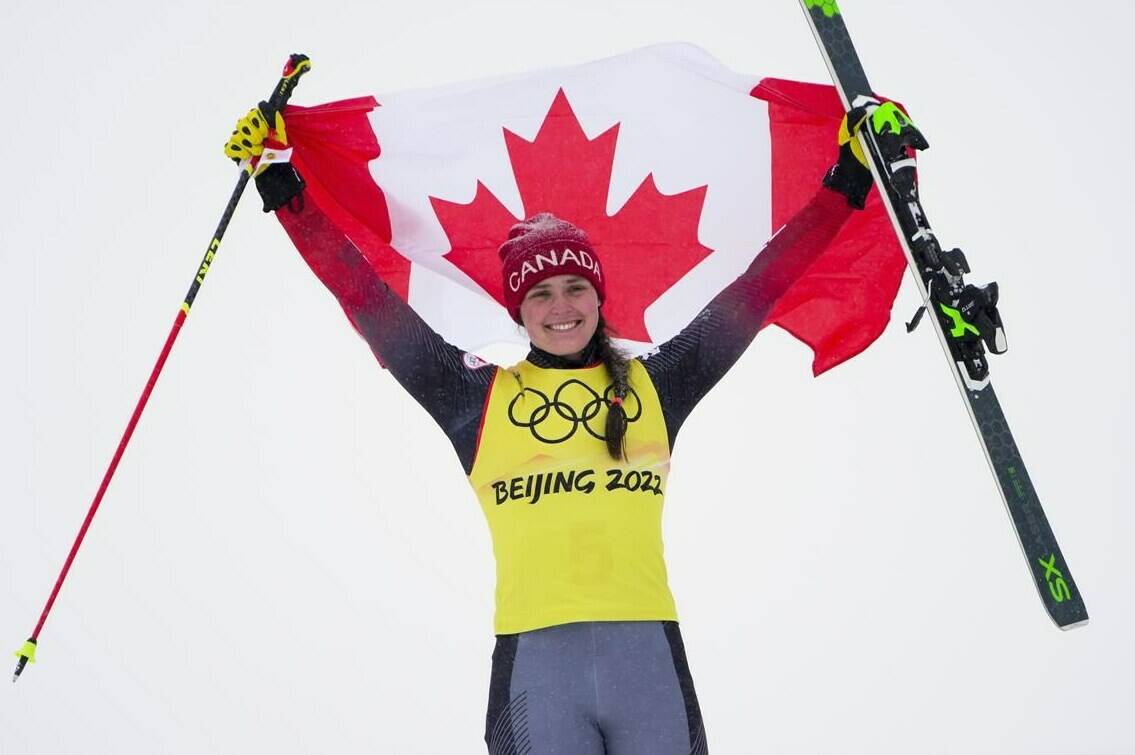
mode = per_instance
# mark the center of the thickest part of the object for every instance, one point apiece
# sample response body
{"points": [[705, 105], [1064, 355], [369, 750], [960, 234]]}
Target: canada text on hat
{"points": [[536, 264]]}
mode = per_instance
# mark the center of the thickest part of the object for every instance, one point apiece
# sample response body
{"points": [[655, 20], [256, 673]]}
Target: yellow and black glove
{"points": [[894, 131], [247, 140], [264, 152]]}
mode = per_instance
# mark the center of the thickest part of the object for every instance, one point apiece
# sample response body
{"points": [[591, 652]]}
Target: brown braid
{"points": [[618, 366]]}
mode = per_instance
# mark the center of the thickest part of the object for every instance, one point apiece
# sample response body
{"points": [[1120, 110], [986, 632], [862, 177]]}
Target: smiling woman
{"points": [[553, 283], [561, 314], [550, 267], [568, 453]]}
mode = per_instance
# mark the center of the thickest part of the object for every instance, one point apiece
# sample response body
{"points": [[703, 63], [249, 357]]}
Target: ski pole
{"points": [[296, 67]]}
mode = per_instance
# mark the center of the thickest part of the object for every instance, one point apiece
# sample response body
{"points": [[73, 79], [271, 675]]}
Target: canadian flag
{"points": [[677, 168]]}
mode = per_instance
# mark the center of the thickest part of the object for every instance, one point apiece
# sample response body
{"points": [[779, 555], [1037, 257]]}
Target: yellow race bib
{"points": [[577, 535]]}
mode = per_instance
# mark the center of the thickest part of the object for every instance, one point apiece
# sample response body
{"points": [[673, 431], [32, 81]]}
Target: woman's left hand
{"points": [[894, 132]]}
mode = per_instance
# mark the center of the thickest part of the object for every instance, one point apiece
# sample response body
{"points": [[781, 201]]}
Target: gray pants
{"points": [[595, 688]]}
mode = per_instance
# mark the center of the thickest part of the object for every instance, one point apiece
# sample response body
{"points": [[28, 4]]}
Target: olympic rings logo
{"points": [[555, 419]]}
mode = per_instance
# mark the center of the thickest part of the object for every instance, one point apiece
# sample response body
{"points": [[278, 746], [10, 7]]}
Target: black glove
{"points": [[850, 177], [280, 184]]}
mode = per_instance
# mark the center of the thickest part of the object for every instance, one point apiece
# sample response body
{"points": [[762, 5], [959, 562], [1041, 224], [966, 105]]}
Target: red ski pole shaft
{"points": [[296, 67]]}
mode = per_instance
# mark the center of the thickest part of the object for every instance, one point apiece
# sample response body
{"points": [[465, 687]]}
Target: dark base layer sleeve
{"points": [[688, 365]]}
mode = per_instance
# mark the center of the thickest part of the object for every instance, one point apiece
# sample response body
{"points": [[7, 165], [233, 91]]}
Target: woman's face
{"points": [[560, 314]]}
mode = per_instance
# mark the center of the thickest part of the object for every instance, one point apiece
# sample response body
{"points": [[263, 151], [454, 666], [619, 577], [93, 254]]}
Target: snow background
{"points": [[289, 558]]}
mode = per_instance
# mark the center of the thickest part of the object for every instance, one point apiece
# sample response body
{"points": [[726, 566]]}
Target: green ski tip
{"points": [[829, 7]]}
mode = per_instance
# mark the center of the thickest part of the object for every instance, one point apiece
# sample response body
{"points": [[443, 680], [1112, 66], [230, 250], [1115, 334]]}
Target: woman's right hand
{"points": [[265, 154], [252, 135], [248, 137]]}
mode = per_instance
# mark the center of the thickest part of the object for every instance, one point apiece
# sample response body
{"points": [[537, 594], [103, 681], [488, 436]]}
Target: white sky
{"points": [[290, 560]]}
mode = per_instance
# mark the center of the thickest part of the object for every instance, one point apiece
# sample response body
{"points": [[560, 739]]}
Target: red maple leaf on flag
{"points": [[645, 247]]}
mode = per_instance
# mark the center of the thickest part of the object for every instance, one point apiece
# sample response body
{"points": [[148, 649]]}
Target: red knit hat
{"points": [[541, 247]]}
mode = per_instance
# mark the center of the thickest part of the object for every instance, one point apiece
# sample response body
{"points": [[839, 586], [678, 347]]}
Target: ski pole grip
{"points": [[296, 67]]}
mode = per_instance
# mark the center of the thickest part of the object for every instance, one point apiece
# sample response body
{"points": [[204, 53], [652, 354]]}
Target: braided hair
{"points": [[618, 366]]}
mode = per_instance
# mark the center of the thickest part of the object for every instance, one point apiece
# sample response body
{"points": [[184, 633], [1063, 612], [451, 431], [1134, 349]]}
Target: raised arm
{"points": [[688, 365], [451, 386]]}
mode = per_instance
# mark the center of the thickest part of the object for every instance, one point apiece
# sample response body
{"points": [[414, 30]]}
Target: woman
{"points": [[568, 453]]}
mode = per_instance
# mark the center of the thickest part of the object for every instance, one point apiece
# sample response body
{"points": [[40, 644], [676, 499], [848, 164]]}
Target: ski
{"points": [[952, 303]]}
